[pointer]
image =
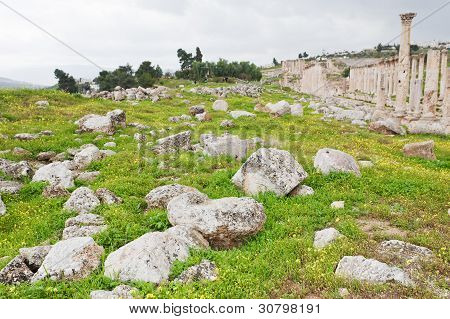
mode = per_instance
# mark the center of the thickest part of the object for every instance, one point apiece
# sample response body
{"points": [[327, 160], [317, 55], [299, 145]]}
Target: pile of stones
{"points": [[250, 90], [133, 94]]}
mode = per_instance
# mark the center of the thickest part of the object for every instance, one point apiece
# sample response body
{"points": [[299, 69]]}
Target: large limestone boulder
{"points": [[224, 145], [96, 123], [224, 222], [56, 173], [329, 160], [162, 195], [173, 143], [388, 127], [70, 259], [150, 257], [15, 169], [269, 170], [421, 149], [82, 200], [220, 105], [86, 156], [279, 109], [370, 270]]}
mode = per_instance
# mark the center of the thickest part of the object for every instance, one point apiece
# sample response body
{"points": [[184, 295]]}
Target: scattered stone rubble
{"points": [[132, 94], [250, 90]]}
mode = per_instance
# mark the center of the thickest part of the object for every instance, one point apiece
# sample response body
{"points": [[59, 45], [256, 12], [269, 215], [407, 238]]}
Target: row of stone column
{"points": [[417, 88]]}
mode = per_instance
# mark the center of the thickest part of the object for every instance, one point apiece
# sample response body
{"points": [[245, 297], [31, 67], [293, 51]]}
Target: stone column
{"points": [[430, 95], [446, 104], [412, 87], [403, 64], [391, 79], [442, 85], [381, 95], [418, 86]]}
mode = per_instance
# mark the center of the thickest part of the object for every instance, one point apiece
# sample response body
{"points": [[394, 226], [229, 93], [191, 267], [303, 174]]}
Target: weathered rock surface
{"points": [[46, 156], [162, 195], [370, 270], [117, 117], [279, 109], [107, 197], [224, 145], [15, 169], [120, 292], [150, 257], [388, 127], [10, 187], [206, 270], [421, 149], [70, 259], [84, 225], [196, 109], [96, 123], [15, 272], [238, 114], [302, 190], [220, 105], [56, 173], [405, 251], [110, 144], [34, 256], [203, 117], [54, 190], [328, 160], [82, 200], [269, 170], [227, 123], [86, 156], [173, 143], [224, 222], [325, 237]]}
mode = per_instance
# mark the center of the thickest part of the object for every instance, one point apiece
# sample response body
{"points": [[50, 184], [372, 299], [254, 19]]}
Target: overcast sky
{"points": [[116, 32]]}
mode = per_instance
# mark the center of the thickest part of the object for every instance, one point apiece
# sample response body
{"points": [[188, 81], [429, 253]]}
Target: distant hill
{"points": [[13, 84]]}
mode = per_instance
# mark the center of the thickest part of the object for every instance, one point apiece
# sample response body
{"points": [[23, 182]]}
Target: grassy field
{"points": [[409, 195]]}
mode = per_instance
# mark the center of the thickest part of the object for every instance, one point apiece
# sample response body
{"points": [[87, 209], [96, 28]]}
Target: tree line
{"points": [[192, 67]]}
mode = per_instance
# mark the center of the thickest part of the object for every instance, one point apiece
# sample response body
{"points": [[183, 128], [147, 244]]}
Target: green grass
{"points": [[280, 262]]}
